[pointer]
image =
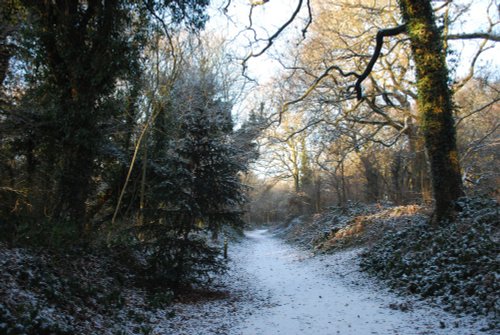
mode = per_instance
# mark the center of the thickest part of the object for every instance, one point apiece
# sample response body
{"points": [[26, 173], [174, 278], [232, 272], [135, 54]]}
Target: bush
{"points": [[46, 234], [455, 264], [177, 262], [27, 320]]}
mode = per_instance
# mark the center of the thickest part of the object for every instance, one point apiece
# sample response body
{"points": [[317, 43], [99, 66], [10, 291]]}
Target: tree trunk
{"points": [[76, 163], [398, 195], [5, 55], [74, 185], [420, 183], [434, 105], [372, 175], [344, 188], [317, 192]]}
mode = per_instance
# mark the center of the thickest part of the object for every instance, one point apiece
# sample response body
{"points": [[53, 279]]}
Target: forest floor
{"points": [[327, 294], [272, 287], [277, 288]]}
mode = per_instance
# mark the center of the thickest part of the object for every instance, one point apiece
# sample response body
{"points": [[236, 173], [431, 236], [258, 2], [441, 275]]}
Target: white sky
{"points": [[268, 17]]}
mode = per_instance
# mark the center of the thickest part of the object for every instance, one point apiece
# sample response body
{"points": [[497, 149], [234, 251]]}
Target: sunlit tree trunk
{"points": [[294, 162], [434, 105]]}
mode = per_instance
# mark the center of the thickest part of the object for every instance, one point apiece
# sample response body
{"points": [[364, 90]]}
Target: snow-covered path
{"points": [[326, 295]]}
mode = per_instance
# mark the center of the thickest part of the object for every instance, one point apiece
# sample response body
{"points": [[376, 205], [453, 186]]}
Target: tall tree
{"points": [[434, 97], [434, 104], [196, 186], [84, 53], [83, 49]]}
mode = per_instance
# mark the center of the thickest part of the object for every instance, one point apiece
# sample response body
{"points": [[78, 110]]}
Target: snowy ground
{"points": [[277, 289], [328, 295], [272, 288]]}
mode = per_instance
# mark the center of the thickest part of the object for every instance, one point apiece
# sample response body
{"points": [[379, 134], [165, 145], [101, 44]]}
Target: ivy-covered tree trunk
{"points": [[76, 43], [434, 104]]}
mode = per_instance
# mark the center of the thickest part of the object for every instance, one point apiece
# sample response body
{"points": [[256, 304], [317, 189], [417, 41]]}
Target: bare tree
{"points": [[433, 98]]}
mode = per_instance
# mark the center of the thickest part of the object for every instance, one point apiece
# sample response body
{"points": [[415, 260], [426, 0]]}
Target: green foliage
{"points": [[160, 299], [456, 264], [179, 261], [26, 231], [27, 320], [193, 12], [60, 234], [69, 135], [245, 137], [194, 186], [66, 139]]}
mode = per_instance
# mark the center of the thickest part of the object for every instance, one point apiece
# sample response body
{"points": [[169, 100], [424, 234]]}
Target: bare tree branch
{"points": [[477, 110], [164, 25], [309, 20], [298, 131], [311, 88], [270, 40], [471, 36], [226, 7], [476, 145], [376, 53]]}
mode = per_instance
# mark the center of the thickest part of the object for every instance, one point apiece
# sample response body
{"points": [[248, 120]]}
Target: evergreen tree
{"points": [[197, 187], [80, 63]]}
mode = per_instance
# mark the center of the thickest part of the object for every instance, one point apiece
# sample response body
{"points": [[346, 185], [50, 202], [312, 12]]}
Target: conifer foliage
{"points": [[196, 189], [112, 133]]}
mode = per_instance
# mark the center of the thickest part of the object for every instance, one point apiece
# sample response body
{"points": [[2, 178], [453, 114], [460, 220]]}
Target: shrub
{"points": [[179, 261], [455, 263]]}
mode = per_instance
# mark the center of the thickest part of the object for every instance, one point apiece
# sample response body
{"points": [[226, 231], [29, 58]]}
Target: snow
{"points": [[274, 288], [328, 295], [271, 288]]}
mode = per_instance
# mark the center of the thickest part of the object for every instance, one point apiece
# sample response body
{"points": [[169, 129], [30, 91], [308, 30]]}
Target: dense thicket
{"points": [[116, 129], [455, 265]]}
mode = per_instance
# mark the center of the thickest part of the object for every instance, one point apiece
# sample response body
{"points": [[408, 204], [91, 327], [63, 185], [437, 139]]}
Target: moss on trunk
{"points": [[434, 104]]}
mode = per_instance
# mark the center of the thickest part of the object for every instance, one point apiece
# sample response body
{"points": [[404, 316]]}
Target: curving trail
{"points": [[326, 295]]}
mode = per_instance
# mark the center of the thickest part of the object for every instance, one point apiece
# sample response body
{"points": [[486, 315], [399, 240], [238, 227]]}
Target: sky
{"points": [[267, 18], [476, 20]]}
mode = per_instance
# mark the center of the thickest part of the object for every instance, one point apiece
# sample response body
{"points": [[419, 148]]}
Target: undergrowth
{"points": [[456, 263]]}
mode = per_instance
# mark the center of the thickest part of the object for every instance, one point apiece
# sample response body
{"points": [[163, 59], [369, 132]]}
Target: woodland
{"points": [[138, 137]]}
